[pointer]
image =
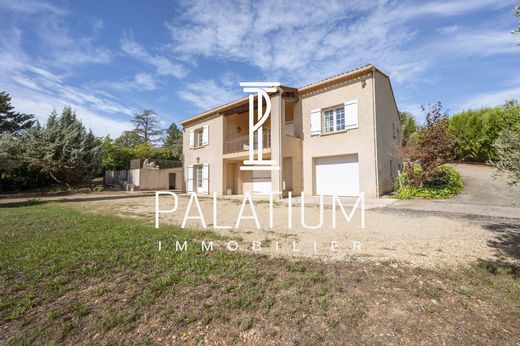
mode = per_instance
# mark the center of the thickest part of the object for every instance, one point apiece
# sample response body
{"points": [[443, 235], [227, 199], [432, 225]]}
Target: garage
{"points": [[261, 182], [338, 175]]}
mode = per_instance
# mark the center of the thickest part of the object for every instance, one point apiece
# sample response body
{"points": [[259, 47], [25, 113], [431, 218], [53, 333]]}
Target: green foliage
{"points": [[446, 183], [173, 140], [64, 149], [507, 148], [128, 139], [475, 131], [11, 121], [10, 149], [117, 157], [428, 148]]}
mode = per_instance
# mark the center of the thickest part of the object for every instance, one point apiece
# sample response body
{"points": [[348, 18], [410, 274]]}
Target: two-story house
{"points": [[337, 136]]}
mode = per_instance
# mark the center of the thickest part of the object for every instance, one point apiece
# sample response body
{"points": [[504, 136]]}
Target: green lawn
{"points": [[76, 277]]}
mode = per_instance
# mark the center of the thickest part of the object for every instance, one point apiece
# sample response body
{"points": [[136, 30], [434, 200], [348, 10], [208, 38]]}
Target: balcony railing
{"points": [[240, 144]]}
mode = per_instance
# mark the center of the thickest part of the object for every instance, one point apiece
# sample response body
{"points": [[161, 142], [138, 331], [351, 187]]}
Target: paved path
{"points": [[483, 195]]}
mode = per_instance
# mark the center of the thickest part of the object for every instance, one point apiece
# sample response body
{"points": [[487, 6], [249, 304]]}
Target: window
{"points": [[334, 120], [199, 137], [198, 172], [393, 130], [340, 119], [329, 121]]}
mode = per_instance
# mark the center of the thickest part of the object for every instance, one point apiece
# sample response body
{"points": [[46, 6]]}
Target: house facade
{"points": [[337, 136]]}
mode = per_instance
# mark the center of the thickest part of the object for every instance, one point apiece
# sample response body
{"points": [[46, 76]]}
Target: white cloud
{"points": [[206, 94], [162, 64], [30, 7], [490, 99], [300, 42], [145, 81]]}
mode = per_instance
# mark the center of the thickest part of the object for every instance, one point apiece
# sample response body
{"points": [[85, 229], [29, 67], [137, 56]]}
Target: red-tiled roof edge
{"points": [[368, 67]]}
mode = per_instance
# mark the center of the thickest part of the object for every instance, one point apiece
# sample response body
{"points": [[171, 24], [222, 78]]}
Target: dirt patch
{"points": [[418, 239]]}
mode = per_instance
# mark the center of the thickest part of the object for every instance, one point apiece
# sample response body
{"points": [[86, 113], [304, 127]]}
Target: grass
{"points": [[72, 277]]}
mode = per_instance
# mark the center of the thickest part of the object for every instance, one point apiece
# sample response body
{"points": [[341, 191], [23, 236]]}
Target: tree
{"points": [[432, 147], [64, 149], [507, 147], [11, 148], [173, 140], [408, 125], [475, 131], [129, 139], [11, 121], [147, 126]]}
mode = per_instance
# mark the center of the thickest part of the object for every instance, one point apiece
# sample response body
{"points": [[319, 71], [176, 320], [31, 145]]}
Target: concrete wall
{"points": [[358, 141], [158, 179], [387, 123], [210, 154]]}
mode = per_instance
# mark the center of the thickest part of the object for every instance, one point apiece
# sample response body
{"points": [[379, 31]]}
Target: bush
{"points": [[475, 131], [445, 183]]}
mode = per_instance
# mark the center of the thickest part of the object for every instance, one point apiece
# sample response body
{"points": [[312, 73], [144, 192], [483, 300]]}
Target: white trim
{"points": [[189, 180], [205, 135], [315, 122], [352, 119], [205, 179], [192, 139]]}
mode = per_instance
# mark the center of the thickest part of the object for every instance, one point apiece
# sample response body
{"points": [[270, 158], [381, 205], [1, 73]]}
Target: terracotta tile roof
{"points": [[306, 88]]}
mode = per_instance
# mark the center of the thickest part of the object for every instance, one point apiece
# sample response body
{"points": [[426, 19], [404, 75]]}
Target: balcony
{"points": [[241, 144]]}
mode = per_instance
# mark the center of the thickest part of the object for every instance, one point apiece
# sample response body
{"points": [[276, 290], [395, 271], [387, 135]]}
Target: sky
{"points": [[110, 59]]}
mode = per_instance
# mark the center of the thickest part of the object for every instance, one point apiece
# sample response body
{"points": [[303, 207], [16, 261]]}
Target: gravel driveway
{"points": [[484, 195]]}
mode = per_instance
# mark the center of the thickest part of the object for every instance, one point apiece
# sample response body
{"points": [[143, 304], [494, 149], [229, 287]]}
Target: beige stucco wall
{"points": [[158, 179], [387, 146], [358, 141], [210, 154]]}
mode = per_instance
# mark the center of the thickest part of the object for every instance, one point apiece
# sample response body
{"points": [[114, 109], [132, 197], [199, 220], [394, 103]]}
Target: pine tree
{"points": [[64, 149], [147, 126], [173, 140], [11, 121]]}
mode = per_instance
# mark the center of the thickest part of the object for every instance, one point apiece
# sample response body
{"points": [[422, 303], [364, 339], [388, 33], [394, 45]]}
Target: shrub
{"points": [[445, 183], [475, 131]]}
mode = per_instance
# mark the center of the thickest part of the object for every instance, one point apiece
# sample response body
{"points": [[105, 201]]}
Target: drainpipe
{"points": [[375, 128]]}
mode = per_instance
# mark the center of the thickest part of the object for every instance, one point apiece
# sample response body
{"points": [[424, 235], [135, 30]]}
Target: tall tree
{"points": [[64, 149], [11, 121], [147, 126], [408, 125], [173, 140]]}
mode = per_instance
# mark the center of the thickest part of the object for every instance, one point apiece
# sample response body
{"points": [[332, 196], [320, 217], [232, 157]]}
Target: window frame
{"points": [[198, 176], [198, 140], [326, 126]]}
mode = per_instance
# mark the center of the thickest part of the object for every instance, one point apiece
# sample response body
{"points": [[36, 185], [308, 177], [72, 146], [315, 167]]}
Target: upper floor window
{"points": [[199, 137], [335, 119]]}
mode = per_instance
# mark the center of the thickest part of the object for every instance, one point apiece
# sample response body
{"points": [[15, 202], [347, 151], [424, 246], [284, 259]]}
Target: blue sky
{"points": [[108, 59]]}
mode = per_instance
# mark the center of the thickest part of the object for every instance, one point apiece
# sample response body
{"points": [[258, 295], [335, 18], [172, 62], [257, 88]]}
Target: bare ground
{"points": [[412, 237]]}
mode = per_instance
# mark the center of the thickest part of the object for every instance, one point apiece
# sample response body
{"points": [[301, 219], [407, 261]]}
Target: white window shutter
{"points": [[351, 114], [192, 138], [205, 135], [205, 178], [315, 122], [189, 181]]}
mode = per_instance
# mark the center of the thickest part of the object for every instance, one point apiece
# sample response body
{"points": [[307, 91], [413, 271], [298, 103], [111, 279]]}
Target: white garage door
{"points": [[261, 182], [337, 176]]}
